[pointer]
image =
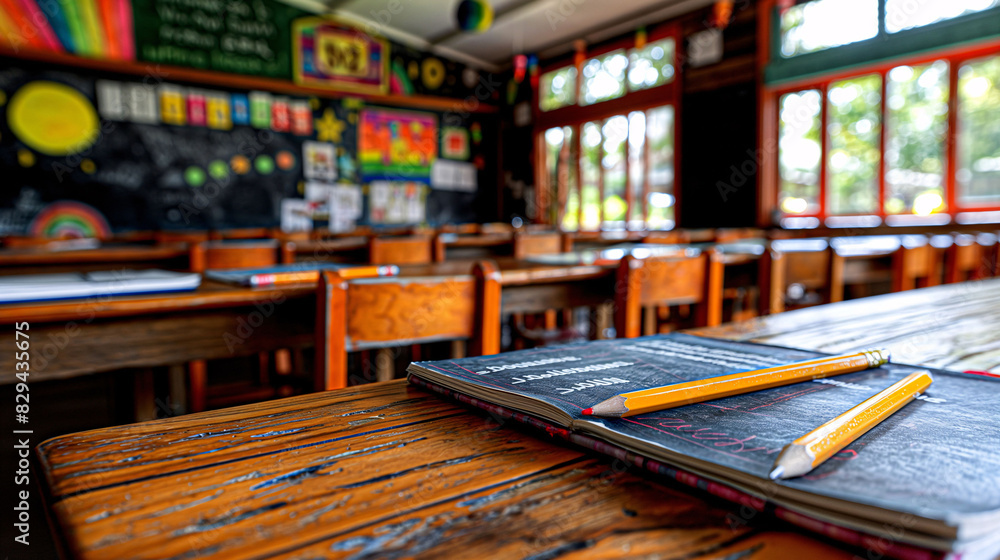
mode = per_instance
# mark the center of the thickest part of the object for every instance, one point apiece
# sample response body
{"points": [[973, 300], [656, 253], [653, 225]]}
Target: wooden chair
{"points": [[806, 272], [391, 312], [969, 258], [240, 233], [647, 283], [541, 243], [672, 237], [728, 235], [215, 255], [916, 264], [414, 249]]}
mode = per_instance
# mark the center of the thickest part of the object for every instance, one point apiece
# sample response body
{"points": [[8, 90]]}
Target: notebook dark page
{"points": [[939, 457]]}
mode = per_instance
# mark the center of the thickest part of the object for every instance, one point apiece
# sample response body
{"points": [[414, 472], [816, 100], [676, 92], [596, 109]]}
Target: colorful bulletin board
{"points": [[90, 153], [332, 55], [396, 144]]}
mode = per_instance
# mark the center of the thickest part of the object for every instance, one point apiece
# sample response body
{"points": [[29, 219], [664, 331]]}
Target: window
{"points": [[606, 137], [609, 76], [978, 168], [883, 112], [558, 89], [907, 171], [907, 14], [626, 167], [822, 24]]}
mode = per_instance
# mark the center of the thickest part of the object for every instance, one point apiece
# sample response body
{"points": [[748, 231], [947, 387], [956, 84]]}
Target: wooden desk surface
{"points": [[389, 471], [209, 295], [106, 254]]}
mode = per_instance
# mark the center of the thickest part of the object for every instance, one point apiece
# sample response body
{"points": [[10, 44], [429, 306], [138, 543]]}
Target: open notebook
{"points": [[37, 287], [928, 476]]}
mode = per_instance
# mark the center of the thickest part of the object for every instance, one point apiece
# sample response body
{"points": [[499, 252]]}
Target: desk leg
{"points": [[198, 383], [145, 407]]}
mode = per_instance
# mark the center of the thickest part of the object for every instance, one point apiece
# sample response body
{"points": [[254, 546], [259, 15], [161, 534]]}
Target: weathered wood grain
{"points": [[954, 326], [380, 471]]}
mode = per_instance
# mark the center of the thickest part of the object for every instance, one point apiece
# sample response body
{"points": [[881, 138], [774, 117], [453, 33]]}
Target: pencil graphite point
{"points": [[588, 411], [611, 408], [776, 473]]}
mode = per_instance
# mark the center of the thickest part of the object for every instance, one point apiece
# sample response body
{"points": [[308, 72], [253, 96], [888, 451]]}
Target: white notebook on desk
{"points": [[69, 285]]}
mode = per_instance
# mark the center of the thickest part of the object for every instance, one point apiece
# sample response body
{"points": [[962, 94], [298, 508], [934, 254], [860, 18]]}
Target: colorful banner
{"points": [[332, 55], [396, 144]]}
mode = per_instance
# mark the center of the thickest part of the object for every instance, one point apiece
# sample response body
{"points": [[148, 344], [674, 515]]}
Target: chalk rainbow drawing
{"points": [[69, 219]]}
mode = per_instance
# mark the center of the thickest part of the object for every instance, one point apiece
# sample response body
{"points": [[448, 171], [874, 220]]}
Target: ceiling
{"points": [[545, 27]]}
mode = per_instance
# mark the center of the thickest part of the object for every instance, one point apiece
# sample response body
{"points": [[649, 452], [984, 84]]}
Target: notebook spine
{"points": [[881, 545]]}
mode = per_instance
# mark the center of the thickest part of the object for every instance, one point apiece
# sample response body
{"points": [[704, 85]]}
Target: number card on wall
{"points": [[333, 55]]}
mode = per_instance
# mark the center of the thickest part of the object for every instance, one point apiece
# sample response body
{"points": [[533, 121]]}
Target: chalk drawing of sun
{"points": [[53, 118]]}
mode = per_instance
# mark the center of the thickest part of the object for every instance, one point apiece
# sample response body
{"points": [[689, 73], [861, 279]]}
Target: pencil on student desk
{"points": [[680, 394], [810, 450], [368, 271]]}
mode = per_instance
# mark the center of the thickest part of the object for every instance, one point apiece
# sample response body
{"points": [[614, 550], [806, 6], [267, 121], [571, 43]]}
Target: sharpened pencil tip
{"points": [[588, 411], [776, 473]]}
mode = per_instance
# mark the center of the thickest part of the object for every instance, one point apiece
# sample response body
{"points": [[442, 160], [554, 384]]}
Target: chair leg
{"points": [[145, 407], [384, 370], [198, 385]]}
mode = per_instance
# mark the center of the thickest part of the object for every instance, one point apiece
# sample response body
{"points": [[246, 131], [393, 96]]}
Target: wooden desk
{"points": [[386, 470], [40, 260], [75, 337]]}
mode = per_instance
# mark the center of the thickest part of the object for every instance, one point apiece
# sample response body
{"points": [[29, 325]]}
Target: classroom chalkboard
{"points": [[102, 168], [240, 36]]}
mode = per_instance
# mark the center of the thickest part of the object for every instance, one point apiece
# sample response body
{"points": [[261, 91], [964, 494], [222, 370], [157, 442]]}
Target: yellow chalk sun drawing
{"points": [[52, 118]]}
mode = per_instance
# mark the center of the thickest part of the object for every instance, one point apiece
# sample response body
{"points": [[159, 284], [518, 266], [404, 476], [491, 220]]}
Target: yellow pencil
{"points": [[810, 450], [680, 394]]}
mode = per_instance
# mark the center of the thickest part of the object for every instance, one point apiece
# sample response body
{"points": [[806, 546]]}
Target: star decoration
{"points": [[329, 128]]}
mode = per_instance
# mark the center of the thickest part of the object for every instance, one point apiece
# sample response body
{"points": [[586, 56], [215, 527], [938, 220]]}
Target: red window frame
{"points": [[576, 115], [769, 180]]}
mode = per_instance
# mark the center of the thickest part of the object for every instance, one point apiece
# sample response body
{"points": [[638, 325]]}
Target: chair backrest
{"points": [[672, 237], [544, 243], [180, 236], [217, 255], [968, 258], [694, 279], [414, 249], [384, 312], [916, 264], [727, 235], [809, 265]]}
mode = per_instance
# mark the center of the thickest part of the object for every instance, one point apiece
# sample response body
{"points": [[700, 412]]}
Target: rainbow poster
{"points": [[397, 144], [69, 219]]}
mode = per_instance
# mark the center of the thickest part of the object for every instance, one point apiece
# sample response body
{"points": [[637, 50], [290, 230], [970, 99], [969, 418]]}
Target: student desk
{"points": [[389, 471], [79, 336], [40, 260]]}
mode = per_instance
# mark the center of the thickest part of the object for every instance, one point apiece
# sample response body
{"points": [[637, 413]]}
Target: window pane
{"points": [[821, 24], [652, 65], [590, 169], [603, 78], [853, 128], [558, 89], [915, 130], [660, 139], [560, 167], [615, 135], [978, 177], [799, 152], [906, 14], [636, 170]]}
